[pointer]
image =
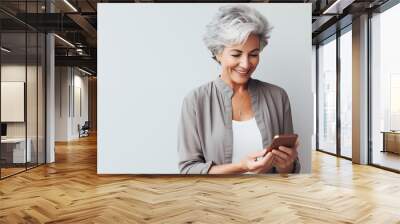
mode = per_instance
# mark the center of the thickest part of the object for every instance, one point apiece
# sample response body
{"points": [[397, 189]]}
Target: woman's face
{"points": [[239, 61]]}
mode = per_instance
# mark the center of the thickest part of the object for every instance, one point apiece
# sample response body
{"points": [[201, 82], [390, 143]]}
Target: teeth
{"points": [[241, 72]]}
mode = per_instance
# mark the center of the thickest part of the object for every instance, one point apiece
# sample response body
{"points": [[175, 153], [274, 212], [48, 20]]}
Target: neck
{"points": [[236, 87]]}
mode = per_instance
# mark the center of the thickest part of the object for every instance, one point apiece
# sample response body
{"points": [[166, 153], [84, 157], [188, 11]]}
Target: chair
{"points": [[84, 130]]}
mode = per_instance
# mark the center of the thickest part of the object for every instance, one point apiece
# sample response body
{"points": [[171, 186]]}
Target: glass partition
{"points": [[32, 82], [32, 95], [22, 78], [327, 96], [385, 89], [14, 153]]}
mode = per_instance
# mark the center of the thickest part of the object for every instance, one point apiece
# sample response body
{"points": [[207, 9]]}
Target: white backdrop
{"points": [[151, 55]]}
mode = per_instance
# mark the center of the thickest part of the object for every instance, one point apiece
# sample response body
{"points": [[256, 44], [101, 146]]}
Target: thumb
{"points": [[268, 156]]}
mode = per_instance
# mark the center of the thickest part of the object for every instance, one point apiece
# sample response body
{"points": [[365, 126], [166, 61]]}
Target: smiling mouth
{"points": [[242, 72]]}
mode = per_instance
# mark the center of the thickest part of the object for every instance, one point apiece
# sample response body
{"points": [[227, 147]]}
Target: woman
{"points": [[227, 124]]}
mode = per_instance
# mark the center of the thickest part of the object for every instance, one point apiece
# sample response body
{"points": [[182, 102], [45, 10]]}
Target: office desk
{"points": [[13, 150], [391, 141]]}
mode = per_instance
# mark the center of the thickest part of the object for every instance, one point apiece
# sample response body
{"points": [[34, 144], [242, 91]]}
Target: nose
{"points": [[244, 62]]}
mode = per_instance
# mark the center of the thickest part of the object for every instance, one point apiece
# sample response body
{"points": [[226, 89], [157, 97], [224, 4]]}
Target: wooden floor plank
{"points": [[70, 191]]}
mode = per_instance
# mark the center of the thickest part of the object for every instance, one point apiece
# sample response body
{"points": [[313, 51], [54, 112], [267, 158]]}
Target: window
{"points": [[385, 89], [327, 96]]}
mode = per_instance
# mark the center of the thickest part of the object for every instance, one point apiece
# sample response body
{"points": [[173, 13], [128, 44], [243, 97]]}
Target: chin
{"points": [[241, 79]]}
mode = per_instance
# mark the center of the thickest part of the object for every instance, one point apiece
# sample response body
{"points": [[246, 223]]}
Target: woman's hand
{"points": [[284, 158], [257, 162]]}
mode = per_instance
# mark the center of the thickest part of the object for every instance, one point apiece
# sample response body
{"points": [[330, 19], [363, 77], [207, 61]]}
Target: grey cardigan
{"points": [[205, 136]]}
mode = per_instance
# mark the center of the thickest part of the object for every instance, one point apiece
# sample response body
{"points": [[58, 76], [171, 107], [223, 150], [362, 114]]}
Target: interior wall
{"points": [[61, 103], [81, 113], [71, 102]]}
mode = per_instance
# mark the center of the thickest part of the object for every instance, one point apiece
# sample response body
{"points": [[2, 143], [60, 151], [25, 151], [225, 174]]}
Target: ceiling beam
{"points": [[84, 24], [337, 7], [85, 61]]}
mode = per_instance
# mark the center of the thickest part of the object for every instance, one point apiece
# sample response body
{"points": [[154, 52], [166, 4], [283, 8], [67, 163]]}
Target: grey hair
{"points": [[233, 24]]}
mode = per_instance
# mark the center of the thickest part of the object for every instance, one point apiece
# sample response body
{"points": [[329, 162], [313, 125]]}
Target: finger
{"points": [[261, 163], [266, 161], [286, 150], [270, 160], [254, 165], [267, 158], [257, 161], [269, 155], [258, 153], [267, 165], [279, 162], [280, 154], [297, 143], [292, 152]]}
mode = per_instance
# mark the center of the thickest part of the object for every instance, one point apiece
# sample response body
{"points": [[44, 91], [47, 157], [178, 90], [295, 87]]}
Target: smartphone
{"points": [[282, 140]]}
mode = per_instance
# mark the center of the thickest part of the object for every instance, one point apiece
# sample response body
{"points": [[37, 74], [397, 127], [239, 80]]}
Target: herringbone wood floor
{"points": [[70, 191]]}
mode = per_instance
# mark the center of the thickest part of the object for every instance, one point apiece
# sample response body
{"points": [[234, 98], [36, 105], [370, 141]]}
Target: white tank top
{"points": [[246, 139]]}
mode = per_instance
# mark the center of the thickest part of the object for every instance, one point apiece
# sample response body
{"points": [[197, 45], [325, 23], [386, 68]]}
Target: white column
{"points": [[50, 100], [360, 90], [50, 92]]}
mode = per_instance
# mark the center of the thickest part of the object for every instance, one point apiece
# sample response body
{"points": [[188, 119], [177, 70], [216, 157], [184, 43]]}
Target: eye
{"points": [[236, 55], [254, 55]]}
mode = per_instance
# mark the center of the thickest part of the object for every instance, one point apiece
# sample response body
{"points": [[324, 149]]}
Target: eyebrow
{"points": [[239, 51]]}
